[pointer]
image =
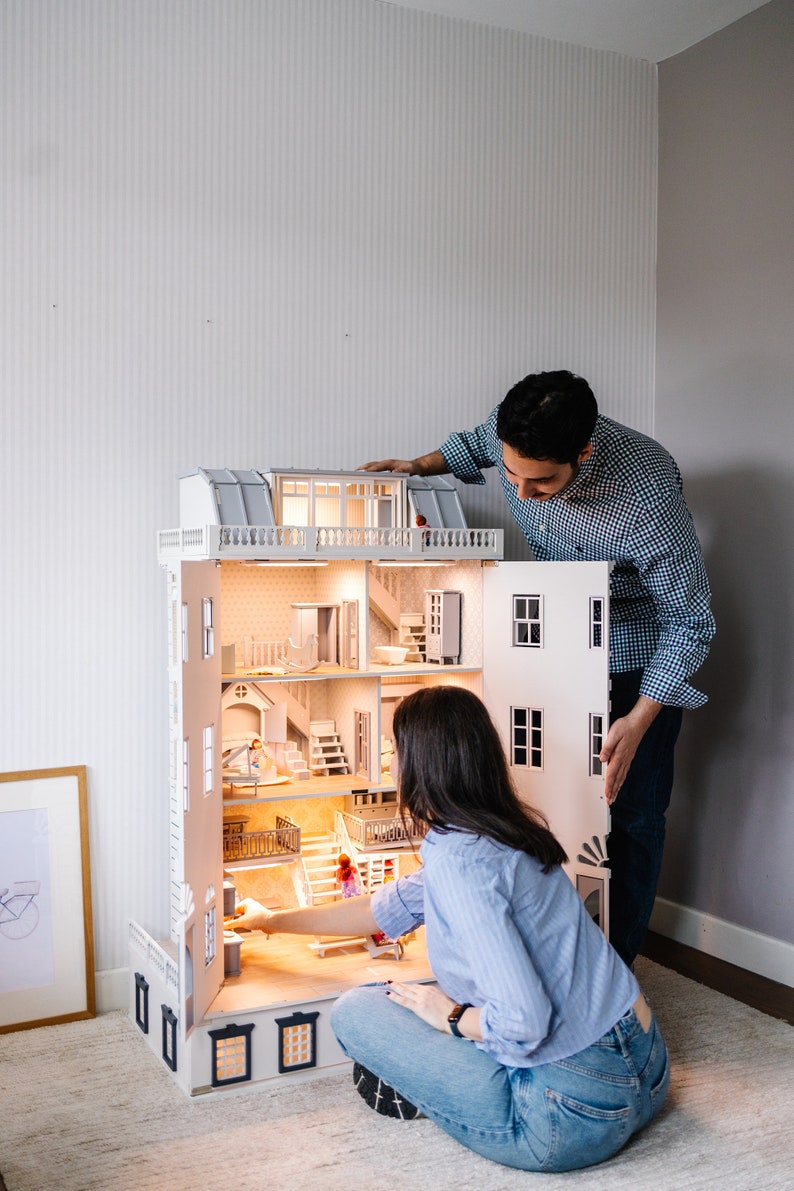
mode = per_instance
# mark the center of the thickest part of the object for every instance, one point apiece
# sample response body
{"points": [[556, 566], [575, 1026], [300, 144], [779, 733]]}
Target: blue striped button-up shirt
{"points": [[513, 941], [626, 506]]}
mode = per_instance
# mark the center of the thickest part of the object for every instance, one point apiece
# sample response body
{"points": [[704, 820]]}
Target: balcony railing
{"points": [[275, 542]]}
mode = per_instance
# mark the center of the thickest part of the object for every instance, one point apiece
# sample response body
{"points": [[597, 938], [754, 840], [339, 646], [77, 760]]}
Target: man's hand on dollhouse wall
{"points": [[250, 915]]}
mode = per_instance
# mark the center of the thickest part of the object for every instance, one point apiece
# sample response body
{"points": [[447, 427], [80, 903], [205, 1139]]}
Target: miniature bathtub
{"points": [[390, 655]]}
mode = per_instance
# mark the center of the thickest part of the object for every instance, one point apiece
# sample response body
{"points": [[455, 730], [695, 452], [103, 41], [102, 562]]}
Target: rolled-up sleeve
{"points": [[467, 452], [671, 569], [398, 906]]}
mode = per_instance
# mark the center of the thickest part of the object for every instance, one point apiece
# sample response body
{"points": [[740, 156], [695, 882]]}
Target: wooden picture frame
{"points": [[46, 924]]}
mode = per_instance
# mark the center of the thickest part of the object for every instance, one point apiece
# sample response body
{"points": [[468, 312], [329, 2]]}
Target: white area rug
{"points": [[86, 1107]]}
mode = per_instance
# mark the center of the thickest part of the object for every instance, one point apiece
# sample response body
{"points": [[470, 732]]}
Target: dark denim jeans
{"points": [[636, 839]]}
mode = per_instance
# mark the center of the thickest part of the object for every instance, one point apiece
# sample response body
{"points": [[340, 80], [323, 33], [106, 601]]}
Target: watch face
{"points": [[456, 1015]]}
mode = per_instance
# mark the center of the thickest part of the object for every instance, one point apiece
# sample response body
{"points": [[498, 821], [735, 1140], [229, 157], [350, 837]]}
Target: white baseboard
{"points": [[112, 989], [748, 949]]}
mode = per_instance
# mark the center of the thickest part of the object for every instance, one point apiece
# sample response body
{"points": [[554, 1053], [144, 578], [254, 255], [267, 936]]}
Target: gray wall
{"points": [[725, 407]]}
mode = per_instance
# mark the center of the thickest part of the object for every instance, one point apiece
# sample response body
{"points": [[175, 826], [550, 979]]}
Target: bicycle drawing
{"points": [[19, 914]]}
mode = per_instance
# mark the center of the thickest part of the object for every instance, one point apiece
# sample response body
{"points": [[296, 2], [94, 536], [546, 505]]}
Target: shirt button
{"points": [[541, 529]]}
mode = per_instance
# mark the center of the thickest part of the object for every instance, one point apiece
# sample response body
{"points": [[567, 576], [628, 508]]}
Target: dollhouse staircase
{"points": [[384, 596], [316, 884], [320, 855], [326, 755], [295, 762], [412, 635]]}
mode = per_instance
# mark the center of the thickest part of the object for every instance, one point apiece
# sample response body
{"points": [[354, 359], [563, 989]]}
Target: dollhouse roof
{"points": [[234, 513]]}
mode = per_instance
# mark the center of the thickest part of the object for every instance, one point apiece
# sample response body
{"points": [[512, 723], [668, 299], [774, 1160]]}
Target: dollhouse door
{"points": [[350, 634], [546, 684]]}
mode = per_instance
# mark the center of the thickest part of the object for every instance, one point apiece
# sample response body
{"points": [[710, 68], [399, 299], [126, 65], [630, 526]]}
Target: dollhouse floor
{"points": [[282, 969]]}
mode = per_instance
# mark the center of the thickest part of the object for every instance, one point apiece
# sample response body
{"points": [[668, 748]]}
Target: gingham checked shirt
{"points": [[626, 506]]}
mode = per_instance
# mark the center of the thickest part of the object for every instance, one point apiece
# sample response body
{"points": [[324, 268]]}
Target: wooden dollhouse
{"points": [[302, 606]]}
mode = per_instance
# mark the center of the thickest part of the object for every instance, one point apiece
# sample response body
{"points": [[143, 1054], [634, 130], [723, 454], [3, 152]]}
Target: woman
{"points": [[536, 1048]]}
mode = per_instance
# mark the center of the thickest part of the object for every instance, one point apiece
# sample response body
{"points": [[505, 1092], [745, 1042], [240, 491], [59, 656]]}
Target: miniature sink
{"points": [[390, 655]]}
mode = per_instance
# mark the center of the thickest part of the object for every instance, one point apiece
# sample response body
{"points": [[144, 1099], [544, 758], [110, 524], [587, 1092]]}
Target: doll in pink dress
{"points": [[347, 877]]}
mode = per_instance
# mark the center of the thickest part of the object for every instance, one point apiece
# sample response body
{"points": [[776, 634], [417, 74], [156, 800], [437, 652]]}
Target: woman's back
{"points": [[506, 935]]}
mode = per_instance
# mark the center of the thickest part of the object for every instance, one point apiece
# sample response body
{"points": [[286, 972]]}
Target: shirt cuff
{"points": [[677, 694], [391, 913]]}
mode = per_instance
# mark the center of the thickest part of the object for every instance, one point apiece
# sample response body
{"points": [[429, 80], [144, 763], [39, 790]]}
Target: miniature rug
{"points": [[86, 1107]]}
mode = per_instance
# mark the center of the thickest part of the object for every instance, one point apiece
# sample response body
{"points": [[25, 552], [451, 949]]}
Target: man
{"points": [[581, 486]]}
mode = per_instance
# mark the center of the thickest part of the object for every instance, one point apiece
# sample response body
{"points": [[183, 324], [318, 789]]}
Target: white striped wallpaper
{"points": [[270, 232]]}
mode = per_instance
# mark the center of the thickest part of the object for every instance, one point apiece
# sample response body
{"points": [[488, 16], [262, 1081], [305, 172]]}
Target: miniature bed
{"points": [[239, 770]]}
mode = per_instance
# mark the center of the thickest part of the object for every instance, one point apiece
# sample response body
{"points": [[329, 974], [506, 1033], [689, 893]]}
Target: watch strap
{"points": [[454, 1018]]}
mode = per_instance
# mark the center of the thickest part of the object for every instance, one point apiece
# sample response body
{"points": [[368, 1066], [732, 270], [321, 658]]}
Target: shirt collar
{"points": [[587, 470]]}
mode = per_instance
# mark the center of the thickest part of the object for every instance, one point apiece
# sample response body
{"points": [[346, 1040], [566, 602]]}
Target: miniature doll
{"points": [[256, 754], [421, 522], [347, 877]]}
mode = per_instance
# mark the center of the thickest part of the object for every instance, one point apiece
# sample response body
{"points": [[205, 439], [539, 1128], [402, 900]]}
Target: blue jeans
{"points": [[636, 839], [559, 1116]]}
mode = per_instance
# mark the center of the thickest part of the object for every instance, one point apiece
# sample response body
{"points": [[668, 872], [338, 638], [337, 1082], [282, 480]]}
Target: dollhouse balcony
{"points": [[317, 543], [156, 956], [378, 833], [254, 849]]}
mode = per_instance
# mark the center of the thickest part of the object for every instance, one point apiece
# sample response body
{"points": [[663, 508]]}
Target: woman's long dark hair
{"points": [[453, 776]]}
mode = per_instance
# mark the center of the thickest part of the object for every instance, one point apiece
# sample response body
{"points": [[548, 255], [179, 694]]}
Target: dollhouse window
{"points": [[297, 1041], [184, 632], [209, 758], [356, 504], [207, 627], [596, 744], [526, 737], [369, 504], [596, 622], [327, 504], [185, 776], [528, 621], [592, 891], [295, 502], [142, 1002], [231, 1055], [209, 936], [169, 1037], [385, 505]]}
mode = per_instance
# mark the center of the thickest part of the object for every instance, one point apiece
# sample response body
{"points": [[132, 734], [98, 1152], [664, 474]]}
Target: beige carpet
{"points": [[85, 1107]]}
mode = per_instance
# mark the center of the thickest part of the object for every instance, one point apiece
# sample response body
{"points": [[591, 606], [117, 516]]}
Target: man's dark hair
{"points": [[548, 415], [452, 774]]}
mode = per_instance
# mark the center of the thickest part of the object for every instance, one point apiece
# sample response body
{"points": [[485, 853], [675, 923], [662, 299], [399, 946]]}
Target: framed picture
{"points": [[46, 927]]}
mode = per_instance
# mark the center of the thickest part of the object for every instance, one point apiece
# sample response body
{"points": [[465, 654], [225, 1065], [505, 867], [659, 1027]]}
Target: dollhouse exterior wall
{"points": [[196, 790], [567, 678]]}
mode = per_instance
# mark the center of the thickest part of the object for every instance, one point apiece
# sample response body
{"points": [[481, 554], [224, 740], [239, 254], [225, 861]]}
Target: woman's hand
{"points": [[434, 1007], [426, 1001], [250, 915]]}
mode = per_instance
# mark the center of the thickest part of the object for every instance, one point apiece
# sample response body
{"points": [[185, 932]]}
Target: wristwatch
{"points": [[454, 1018]]}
